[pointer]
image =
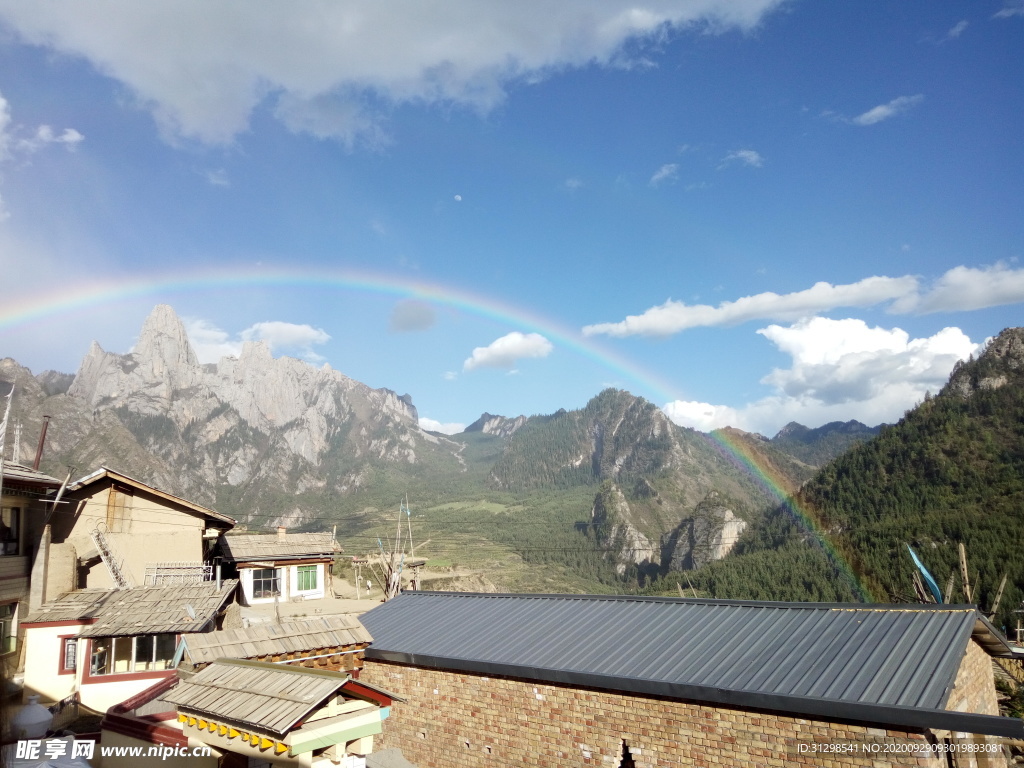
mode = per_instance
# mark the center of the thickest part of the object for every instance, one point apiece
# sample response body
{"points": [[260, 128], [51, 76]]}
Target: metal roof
{"points": [[120, 477], [867, 661], [270, 639], [140, 610], [273, 697], [272, 546]]}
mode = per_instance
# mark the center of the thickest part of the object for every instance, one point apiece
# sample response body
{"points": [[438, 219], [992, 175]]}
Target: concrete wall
{"points": [[112, 740], [43, 649], [144, 520], [459, 720]]}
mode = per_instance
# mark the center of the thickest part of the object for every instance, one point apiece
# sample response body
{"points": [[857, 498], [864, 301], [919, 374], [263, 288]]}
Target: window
{"points": [[10, 527], [125, 655], [307, 578], [265, 583], [69, 654], [8, 641]]}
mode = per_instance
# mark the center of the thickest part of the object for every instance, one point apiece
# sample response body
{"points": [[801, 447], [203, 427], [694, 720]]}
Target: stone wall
{"points": [[463, 720]]}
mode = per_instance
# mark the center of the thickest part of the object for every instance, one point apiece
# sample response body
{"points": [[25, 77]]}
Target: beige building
{"points": [[116, 532], [580, 680]]}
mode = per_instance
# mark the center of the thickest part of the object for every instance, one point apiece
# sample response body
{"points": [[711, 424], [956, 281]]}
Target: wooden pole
{"points": [[968, 593]]}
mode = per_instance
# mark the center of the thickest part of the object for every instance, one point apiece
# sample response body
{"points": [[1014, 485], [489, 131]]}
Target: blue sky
{"points": [[746, 211]]}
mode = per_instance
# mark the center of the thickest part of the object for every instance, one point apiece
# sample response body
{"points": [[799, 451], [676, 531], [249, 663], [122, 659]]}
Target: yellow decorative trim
{"points": [[192, 721], [279, 748], [182, 718], [232, 733], [201, 724], [266, 743]]}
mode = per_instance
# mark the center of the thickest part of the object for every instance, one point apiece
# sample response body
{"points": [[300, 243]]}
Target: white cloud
{"points": [[968, 288], [210, 342], [504, 352], [667, 173], [675, 316], [450, 375], [335, 68], [217, 178], [445, 428], [288, 337], [841, 370], [744, 157], [11, 146], [1013, 8], [573, 183], [957, 29], [885, 111]]}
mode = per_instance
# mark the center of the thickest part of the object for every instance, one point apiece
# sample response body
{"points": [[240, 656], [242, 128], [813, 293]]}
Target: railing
{"points": [[179, 572], [64, 712], [121, 578]]}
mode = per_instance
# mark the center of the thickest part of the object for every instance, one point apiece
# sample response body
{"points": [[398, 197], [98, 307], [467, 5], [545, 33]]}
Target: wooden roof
{"points": [[140, 610], [19, 473], [272, 697], [275, 639], [272, 546]]}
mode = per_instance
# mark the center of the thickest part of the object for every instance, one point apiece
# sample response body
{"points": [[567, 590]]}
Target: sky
{"points": [[749, 212]]}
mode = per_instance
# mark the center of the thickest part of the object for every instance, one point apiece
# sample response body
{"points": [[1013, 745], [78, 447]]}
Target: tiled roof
{"points": [[293, 546], [854, 661], [19, 473], [270, 639], [140, 610], [263, 695]]}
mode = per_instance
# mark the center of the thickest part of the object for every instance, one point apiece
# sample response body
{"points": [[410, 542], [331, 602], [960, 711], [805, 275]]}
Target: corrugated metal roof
{"points": [[273, 697], [19, 473], [293, 546], [269, 639], [140, 610], [904, 656]]}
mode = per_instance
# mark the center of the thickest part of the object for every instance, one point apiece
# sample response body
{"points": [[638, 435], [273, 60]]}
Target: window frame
{"points": [[275, 582], [67, 642], [8, 636], [307, 571], [115, 651], [10, 538]]}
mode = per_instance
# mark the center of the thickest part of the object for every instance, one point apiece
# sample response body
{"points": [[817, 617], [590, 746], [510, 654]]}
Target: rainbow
{"points": [[82, 296], [742, 456], [164, 287]]}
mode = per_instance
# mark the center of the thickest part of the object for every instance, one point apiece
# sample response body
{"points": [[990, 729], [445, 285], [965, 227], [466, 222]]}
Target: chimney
{"points": [[281, 531], [42, 440]]}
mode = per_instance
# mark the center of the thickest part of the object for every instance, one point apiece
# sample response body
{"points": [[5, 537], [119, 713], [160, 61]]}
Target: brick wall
{"points": [[462, 720], [975, 687]]}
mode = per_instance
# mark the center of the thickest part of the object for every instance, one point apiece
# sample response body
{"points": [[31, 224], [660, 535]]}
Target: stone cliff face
{"points": [[496, 425], [1001, 362], [618, 529], [248, 420], [708, 535]]}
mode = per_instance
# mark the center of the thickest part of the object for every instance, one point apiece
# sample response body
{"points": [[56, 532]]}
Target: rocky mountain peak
{"points": [[1000, 362]]}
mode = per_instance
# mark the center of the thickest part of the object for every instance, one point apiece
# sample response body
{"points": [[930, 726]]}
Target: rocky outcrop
{"points": [[709, 535], [1001, 362], [618, 529], [496, 425]]}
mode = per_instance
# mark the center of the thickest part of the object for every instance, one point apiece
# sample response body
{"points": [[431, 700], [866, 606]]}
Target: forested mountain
{"points": [[817, 447], [951, 471]]}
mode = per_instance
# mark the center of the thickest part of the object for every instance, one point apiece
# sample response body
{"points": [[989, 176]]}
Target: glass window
{"points": [[124, 655], [69, 660], [265, 583], [307, 578], [10, 524]]}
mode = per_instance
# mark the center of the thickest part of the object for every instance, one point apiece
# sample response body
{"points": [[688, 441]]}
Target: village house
{"points": [[279, 567], [23, 507], [563, 680], [107, 645], [104, 535], [253, 714]]}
